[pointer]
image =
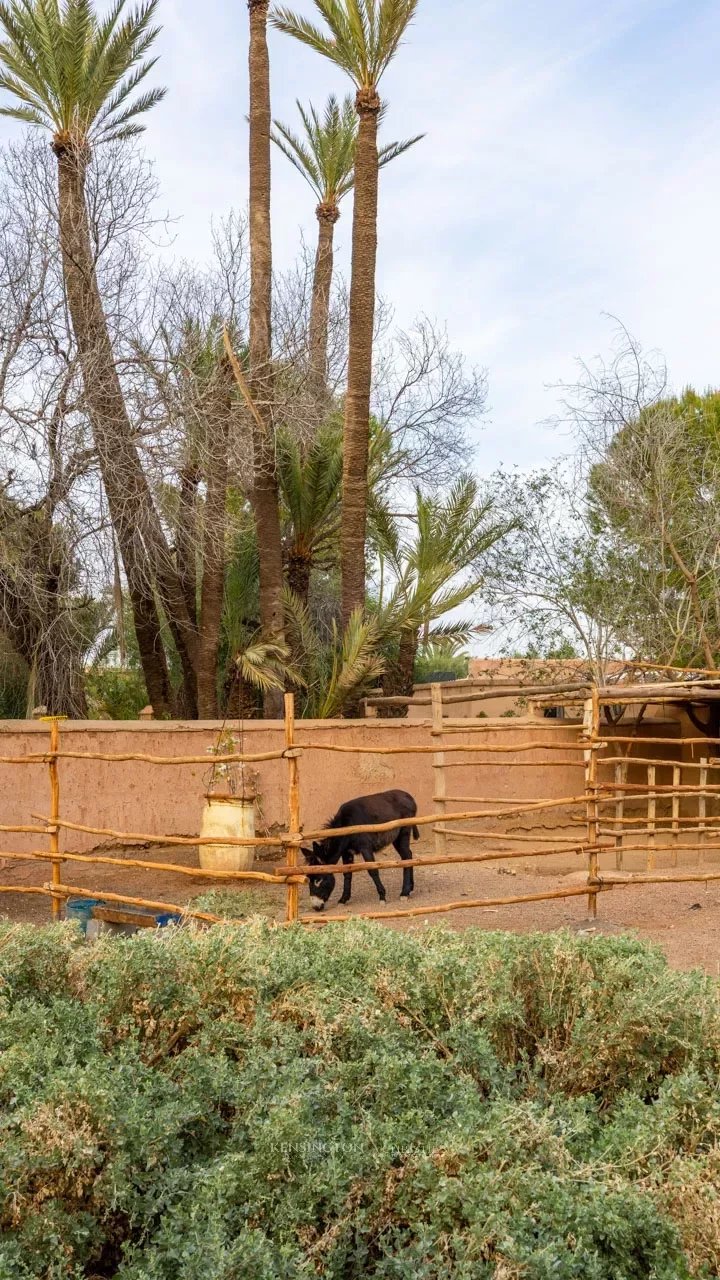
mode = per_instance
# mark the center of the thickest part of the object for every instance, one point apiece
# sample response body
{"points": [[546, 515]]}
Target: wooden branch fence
{"points": [[600, 808]]}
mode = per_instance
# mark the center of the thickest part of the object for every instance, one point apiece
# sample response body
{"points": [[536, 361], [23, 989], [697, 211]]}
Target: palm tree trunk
{"points": [[213, 571], [265, 502], [152, 653], [399, 679], [299, 568], [143, 547], [327, 215], [406, 661], [362, 315], [186, 534]]}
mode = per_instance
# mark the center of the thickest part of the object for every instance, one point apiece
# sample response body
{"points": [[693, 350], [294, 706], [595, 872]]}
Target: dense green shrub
{"points": [[256, 1103], [115, 693]]}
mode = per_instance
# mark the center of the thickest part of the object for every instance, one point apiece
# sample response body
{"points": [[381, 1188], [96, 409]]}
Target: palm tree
{"points": [[211, 369], [435, 572], [265, 501], [361, 37], [78, 76], [336, 673], [310, 480], [324, 155]]}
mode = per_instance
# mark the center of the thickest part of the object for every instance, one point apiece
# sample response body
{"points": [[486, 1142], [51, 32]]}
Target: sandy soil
{"points": [[683, 918]]}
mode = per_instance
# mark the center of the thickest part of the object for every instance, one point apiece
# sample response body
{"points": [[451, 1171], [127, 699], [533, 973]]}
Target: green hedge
{"points": [[250, 1104]]}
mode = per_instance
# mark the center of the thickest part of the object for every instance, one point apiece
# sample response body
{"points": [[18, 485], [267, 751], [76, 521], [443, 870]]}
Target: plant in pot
{"points": [[233, 787], [229, 809]]}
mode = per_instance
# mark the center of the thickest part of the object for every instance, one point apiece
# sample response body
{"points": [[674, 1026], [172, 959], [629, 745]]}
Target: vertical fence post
{"points": [[702, 811], [591, 730], [439, 782], [293, 843], [620, 779], [53, 830], [651, 814], [675, 812]]}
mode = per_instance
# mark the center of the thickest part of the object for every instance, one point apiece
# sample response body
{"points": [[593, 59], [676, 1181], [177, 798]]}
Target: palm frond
{"points": [[394, 18], [337, 673], [307, 33], [383, 529], [451, 635], [324, 155], [74, 72], [391, 150], [362, 36], [298, 626], [267, 666], [19, 59], [310, 484], [357, 664], [437, 566], [300, 156]]}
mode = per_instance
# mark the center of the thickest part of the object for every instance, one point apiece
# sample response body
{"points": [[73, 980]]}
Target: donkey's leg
{"points": [[369, 856], [348, 859], [402, 844]]}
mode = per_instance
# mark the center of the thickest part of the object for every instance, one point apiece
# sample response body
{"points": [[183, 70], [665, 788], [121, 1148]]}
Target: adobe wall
{"points": [[160, 799], [163, 799]]}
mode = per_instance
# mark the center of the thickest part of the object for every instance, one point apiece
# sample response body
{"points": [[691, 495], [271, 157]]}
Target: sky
{"points": [[570, 173]]}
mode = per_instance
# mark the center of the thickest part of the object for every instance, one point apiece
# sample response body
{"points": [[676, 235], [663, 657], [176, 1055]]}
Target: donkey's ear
{"points": [[306, 853]]}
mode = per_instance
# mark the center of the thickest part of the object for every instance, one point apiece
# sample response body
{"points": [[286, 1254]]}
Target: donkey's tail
{"points": [[416, 833]]}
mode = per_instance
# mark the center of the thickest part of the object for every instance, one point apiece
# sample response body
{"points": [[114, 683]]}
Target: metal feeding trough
{"points": [[96, 917]]}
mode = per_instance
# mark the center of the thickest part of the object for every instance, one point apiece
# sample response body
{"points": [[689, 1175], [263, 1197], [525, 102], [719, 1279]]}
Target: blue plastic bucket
{"points": [[80, 910], [166, 918]]}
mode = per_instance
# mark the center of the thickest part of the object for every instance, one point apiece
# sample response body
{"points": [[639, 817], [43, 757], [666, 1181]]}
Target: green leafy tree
{"points": [[361, 37], [657, 490], [558, 578]]}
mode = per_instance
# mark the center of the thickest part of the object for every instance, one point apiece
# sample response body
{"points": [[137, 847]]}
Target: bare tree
{"points": [[192, 439], [554, 578], [426, 397], [51, 523], [611, 394], [197, 444], [424, 392]]}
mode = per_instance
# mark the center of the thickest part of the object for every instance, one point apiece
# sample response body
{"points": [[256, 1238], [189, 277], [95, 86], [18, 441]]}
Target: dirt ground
{"points": [[683, 918]]}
